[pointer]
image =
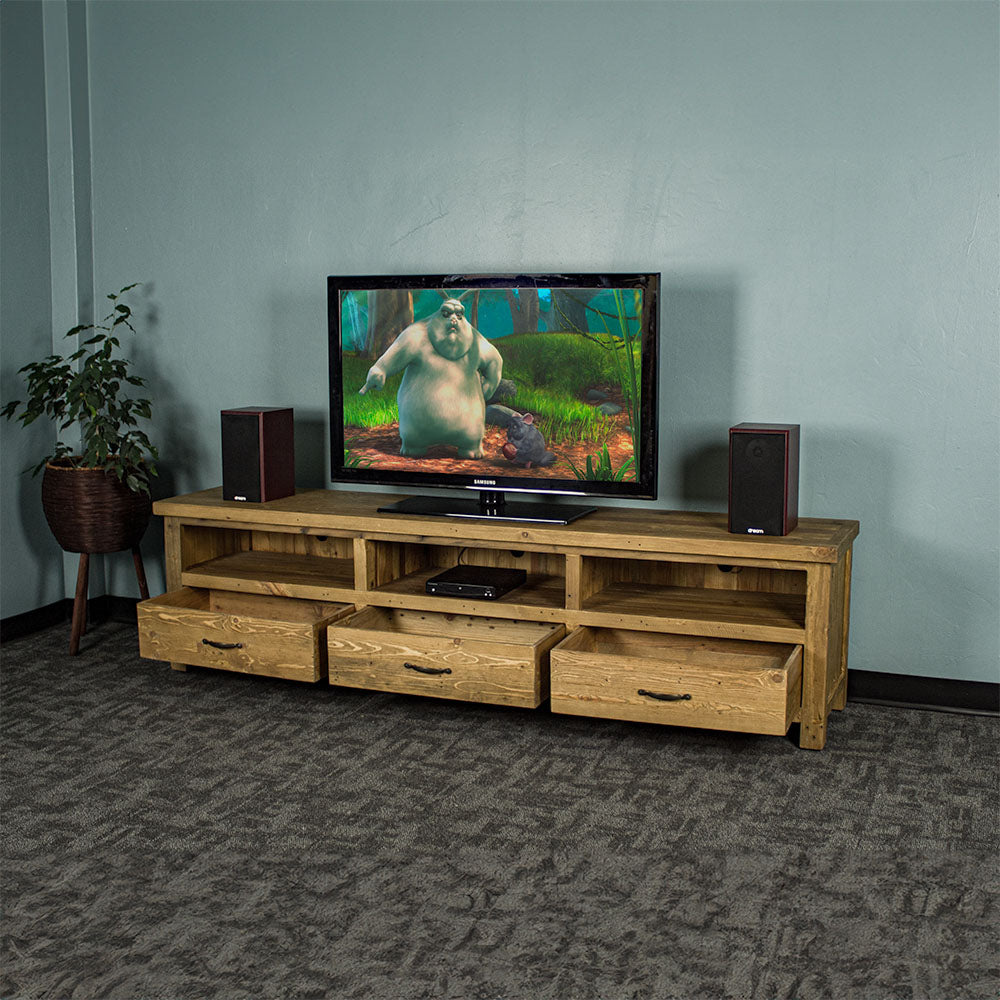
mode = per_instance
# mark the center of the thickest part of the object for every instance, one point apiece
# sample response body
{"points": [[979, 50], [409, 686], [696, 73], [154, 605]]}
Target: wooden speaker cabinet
{"points": [[763, 479], [258, 453]]}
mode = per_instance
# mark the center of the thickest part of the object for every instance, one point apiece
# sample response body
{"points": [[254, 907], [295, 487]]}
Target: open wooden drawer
{"points": [[465, 657], [680, 680], [248, 633]]}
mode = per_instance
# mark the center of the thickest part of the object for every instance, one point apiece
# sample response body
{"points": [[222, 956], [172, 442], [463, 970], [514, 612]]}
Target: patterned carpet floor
{"points": [[207, 835]]}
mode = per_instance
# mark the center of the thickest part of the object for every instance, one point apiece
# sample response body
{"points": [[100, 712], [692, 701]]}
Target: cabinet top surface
{"points": [[626, 529]]}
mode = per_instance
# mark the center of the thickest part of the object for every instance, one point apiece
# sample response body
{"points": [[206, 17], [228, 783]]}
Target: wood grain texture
{"points": [[574, 581], [302, 543], [495, 661], [618, 528], [835, 659], [285, 574], [172, 563], [276, 641], [617, 674], [539, 598], [694, 558], [172, 553], [616, 573], [364, 565], [815, 667], [693, 610], [839, 702], [199, 543]]}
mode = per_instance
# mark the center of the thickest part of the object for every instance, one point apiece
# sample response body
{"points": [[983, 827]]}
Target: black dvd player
{"points": [[489, 582]]}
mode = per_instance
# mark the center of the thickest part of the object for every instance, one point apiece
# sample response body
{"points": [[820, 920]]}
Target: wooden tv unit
{"points": [[628, 613]]}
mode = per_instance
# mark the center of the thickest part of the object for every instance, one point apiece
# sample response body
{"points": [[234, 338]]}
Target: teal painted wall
{"points": [[816, 182], [32, 574]]}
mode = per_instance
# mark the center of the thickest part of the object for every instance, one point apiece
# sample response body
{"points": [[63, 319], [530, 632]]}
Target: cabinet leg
{"points": [[812, 735], [839, 702], [140, 573], [815, 658], [840, 698], [80, 604]]}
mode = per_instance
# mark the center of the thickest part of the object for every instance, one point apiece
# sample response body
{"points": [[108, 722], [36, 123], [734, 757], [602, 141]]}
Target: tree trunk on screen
{"points": [[391, 312], [569, 310], [524, 309]]}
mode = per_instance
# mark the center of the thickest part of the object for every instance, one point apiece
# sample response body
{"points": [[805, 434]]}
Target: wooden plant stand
{"points": [[79, 624], [627, 613]]}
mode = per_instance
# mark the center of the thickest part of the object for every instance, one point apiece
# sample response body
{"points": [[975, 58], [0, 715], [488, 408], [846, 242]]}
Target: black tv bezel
{"points": [[644, 488]]}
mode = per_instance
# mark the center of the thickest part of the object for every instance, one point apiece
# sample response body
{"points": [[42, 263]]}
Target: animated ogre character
{"points": [[451, 369]]}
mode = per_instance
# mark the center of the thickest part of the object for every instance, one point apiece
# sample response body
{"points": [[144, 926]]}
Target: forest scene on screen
{"points": [[533, 382]]}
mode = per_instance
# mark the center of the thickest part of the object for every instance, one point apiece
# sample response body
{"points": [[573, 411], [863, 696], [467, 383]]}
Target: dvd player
{"points": [[484, 582]]}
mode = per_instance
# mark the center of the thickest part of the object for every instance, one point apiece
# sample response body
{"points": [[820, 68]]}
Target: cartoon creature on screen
{"points": [[525, 444], [449, 371]]}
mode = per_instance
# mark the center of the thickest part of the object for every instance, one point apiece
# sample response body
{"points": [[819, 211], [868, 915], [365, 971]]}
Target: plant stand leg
{"points": [[80, 604], [140, 573]]}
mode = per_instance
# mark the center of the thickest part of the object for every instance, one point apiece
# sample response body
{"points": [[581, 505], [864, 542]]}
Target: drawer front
{"points": [[441, 666], [170, 630], [723, 695]]}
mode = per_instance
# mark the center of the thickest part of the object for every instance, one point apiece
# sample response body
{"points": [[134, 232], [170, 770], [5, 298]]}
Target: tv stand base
{"points": [[649, 616], [489, 505]]}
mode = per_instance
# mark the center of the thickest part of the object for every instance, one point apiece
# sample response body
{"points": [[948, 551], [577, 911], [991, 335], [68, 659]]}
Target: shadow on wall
{"points": [[178, 442], [843, 474], [697, 389], [300, 378], [917, 607], [311, 446], [45, 550]]}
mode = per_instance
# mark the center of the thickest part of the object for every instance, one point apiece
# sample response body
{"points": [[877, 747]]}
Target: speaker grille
{"points": [[241, 457], [763, 467]]}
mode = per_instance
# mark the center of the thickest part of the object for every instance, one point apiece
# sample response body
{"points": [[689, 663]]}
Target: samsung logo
{"points": [[237, 497], [484, 482], [755, 531]]}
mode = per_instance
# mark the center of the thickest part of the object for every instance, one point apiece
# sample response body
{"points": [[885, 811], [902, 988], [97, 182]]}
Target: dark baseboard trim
{"points": [[938, 694], [99, 609], [17, 626]]}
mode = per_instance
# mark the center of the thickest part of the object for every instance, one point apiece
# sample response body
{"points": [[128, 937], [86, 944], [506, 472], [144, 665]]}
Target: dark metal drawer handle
{"points": [[427, 670], [664, 697], [222, 645]]}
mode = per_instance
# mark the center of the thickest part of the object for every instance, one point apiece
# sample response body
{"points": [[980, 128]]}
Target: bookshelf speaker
{"points": [[763, 478], [258, 453]]}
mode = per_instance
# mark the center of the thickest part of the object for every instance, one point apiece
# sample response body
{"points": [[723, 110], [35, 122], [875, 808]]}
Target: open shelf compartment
{"points": [[693, 599], [282, 573], [288, 564], [397, 576]]}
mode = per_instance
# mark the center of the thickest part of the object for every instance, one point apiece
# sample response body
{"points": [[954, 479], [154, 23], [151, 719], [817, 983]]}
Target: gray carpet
{"points": [[200, 835]]}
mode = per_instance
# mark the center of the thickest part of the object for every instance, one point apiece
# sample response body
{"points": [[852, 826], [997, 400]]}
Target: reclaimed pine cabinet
{"points": [[628, 613]]}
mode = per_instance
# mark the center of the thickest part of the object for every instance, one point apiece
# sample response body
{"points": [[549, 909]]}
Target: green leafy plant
{"points": [[622, 340], [352, 461], [86, 390], [602, 470]]}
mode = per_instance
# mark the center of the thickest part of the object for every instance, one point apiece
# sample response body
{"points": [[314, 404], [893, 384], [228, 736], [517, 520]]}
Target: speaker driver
{"points": [[258, 453], [763, 478]]}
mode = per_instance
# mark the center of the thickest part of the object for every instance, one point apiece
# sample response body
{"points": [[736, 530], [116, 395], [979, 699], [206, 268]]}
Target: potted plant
{"points": [[96, 495]]}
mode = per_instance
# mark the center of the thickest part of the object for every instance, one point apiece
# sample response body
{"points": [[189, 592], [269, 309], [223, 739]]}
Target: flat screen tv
{"points": [[496, 383]]}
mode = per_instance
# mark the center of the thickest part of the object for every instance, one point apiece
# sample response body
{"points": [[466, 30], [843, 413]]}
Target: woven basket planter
{"points": [[90, 510]]}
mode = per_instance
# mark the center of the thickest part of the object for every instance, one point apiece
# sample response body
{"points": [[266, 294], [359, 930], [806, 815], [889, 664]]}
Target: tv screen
{"points": [[526, 383]]}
